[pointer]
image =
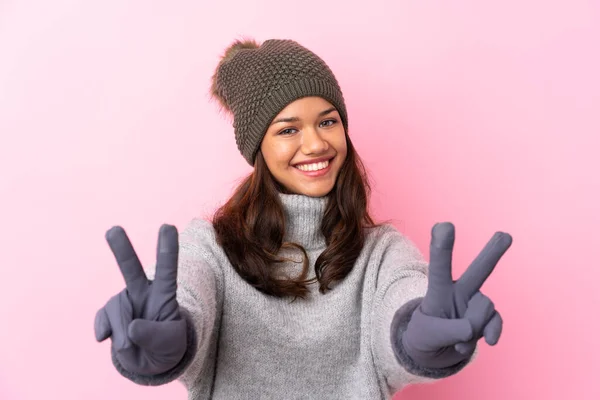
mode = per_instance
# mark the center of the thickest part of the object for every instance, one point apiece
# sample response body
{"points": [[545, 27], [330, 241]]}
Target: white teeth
{"points": [[313, 167]]}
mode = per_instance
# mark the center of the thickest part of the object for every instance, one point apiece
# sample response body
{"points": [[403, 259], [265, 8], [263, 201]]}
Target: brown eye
{"points": [[328, 122], [288, 131]]}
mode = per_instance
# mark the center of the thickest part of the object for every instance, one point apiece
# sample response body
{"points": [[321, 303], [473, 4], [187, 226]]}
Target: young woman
{"points": [[292, 291]]}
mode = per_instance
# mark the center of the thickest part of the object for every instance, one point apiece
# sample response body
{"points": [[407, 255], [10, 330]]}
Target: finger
{"points": [[102, 328], [480, 269], [493, 330], [432, 333], [166, 265], [158, 337], [440, 267], [466, 348], [119, 312], [480, 310], [128, 261]]}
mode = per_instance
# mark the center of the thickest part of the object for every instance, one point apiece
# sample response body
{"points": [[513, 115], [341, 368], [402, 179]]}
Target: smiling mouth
{"points": [[313, 166]]}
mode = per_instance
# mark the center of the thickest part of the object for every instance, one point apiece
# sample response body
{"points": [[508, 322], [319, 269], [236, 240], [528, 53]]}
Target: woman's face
{"points": [[305, 146]]}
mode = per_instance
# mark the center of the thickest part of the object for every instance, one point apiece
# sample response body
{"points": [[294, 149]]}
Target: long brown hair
{"points": [[250, 227]]}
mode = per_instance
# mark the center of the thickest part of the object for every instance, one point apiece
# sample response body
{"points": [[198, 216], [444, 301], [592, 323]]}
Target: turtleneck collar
{"points": [[303, 219]]}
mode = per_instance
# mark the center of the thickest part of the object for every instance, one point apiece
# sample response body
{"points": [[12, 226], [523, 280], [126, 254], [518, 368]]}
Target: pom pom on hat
{"points": [[216, 90]]}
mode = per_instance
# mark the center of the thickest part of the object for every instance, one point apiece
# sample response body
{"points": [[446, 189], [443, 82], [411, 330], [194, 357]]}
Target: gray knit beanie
{"points": [[255, 82]]}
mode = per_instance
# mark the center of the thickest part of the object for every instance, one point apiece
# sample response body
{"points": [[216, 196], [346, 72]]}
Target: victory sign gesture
{"points": [[144, 321], [454, 315]]}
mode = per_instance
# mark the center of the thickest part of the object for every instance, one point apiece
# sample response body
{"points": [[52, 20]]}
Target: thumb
{"points": [[158, 336], [102, 327], [432, 333]]}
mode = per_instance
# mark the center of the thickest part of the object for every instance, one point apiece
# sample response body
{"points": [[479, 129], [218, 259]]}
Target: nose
{"points": [[313, 142]]}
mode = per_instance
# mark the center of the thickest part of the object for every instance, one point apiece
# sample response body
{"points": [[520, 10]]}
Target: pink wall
{"points": [[483, 113]]}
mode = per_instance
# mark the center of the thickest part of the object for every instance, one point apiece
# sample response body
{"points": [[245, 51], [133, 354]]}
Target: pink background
{"points": [[486, 114]]}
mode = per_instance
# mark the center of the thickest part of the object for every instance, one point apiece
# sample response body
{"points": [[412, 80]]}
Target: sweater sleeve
{"points": [[197, 283], [401, 284]]}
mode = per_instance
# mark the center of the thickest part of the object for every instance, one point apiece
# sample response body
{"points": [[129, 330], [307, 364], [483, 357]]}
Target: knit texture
{"points": [[248, 345], [257, 83]]}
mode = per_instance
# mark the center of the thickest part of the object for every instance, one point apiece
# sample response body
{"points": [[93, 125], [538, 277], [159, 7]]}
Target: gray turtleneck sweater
{"points": [[246, 345]]}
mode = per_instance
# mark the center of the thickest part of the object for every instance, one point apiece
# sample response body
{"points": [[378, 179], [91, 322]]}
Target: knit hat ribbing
{"points": [[255, 83]]}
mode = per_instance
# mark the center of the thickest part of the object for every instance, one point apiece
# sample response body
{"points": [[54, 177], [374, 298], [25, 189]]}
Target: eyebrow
{"points": [[296, 119]]}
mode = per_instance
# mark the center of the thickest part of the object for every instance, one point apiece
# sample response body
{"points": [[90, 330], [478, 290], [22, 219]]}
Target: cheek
{"points": [[277, 154], [283, 154], [341, 146]]}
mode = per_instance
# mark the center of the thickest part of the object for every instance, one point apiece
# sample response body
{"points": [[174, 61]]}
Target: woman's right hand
{"points": [[144, 322]]}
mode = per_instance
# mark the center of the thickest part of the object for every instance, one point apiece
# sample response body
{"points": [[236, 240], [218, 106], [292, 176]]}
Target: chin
{"points": [[316, 192]]}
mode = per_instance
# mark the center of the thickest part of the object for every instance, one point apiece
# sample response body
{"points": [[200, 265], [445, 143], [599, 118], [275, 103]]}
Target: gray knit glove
{"points": [[454, 315], [144, 321]]}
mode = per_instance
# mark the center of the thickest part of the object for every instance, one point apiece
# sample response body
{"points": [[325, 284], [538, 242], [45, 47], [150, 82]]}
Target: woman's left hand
{"points": [[454, 315]]}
